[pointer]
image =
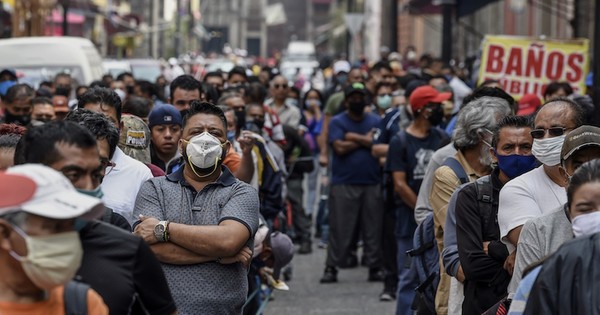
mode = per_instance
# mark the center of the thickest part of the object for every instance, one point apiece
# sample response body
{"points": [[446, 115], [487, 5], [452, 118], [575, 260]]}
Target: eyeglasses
{"points": [[553, 132], [280, 86], [108, 166]]}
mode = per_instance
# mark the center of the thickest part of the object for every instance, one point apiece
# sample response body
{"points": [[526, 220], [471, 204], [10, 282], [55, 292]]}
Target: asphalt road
{"points": [[352, 294]]}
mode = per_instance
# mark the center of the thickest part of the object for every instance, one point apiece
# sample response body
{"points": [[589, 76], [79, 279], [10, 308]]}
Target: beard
{"points": [[485, 156]]}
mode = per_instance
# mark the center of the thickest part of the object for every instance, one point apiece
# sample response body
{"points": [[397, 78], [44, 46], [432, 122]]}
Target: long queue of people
{"points": [[188, 196]]}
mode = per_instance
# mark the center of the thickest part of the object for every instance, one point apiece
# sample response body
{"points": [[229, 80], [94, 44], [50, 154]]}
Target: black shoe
{"points": [[376, 275], [330, 275], [305, 248]]}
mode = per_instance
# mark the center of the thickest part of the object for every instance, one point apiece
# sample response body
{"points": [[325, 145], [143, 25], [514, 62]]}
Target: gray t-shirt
{"points": [[207, 288], [539, 238]]}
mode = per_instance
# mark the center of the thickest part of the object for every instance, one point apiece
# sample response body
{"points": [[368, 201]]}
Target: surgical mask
{"points": [[52, 260], [310, 103], [22, 120], [586, 224], [98, 193], [231, 135], [204, 151], [515, 165], [547, 151], [384, 101]]}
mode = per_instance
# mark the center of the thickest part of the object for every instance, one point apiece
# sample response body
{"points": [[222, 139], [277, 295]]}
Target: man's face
{"points": [[181, 98], [579, 157], [513, 141], [255, 113], [117, 85], [236, 103], [81, 166], [129, 81], [386, 76], [62, 82], [200, 123], [216, 82], [553, 116], [43, 112], [20, 107], [355, 76], [104, 153], [437, 82], [279, 88], [107, 110], [236, 79], [165, 138]]}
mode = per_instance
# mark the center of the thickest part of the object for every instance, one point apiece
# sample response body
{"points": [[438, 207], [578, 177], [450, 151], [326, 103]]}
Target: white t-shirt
{"points": [[122, 184], [528, 196]]}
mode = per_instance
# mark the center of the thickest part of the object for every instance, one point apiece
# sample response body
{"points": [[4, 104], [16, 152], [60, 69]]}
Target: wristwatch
{"points": [[161, 231]]}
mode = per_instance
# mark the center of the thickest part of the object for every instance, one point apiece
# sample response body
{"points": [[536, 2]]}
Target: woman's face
{"points": [[586, 199], [557, 94], [312, 100]]}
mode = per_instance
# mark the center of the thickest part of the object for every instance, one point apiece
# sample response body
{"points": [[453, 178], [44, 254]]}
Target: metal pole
{"points": [[596, 66], [65, 22], [177, 30], [447, 32], [394, 30]]}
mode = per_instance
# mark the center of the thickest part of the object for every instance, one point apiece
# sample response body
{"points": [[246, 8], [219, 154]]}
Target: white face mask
{"points": [[586, 224], [51, 260], [547, 150], [204, 151]]}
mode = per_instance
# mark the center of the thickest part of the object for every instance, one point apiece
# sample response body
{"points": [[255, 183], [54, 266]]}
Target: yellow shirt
{"points": [[445, 182]]}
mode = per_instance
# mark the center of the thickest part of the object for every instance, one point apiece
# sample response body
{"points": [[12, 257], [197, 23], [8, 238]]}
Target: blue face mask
{"points": [[92, 193], [231, 135], [515, 165]]}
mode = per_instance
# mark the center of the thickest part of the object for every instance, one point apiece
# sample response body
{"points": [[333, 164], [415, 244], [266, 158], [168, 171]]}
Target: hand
{"points": [[352, 136], [485, 247], [145, 229], [244, 256], [460, 274], [509, 264], [323, 159], [246, 141]]}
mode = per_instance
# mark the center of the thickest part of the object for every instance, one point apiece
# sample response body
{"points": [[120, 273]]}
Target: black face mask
{"points": [[357, 108], [255, 125], [129, 89], [436, 116], [62, 90], [22, 120], [240, 116]]}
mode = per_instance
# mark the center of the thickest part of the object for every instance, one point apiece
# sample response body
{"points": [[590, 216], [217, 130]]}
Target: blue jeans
{"points": [[407, 278]]}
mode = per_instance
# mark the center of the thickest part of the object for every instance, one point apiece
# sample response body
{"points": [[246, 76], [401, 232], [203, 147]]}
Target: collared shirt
{"points": [[288, 114], [122, 184], [207, 288]]}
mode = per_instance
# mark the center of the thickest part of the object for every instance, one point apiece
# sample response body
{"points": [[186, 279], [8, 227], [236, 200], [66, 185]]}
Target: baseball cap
{"points": [[15, 190], [356, 87], [341, 66], [528, 104], [55, 196], [282, 249], [424, 95], [578, 138], [135, 138], [60, 103], [164, 115]]}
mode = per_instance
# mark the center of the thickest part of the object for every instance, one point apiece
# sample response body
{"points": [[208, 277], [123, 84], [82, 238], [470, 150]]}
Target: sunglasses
{"points": [[553, 132], [280, 86], [108, 166]]}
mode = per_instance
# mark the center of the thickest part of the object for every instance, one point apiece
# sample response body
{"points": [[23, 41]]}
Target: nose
{"points": [[87, 182]]}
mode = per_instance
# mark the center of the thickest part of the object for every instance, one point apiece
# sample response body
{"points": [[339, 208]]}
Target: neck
{"points": [[199, 182], [9, 294], [356, 117], [472, 157], [419, 128], [554, 173], [165, 156], [279, 102]]}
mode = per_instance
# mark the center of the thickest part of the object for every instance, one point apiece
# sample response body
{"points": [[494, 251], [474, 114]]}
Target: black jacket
{"points": [[486, 280], [569, 282]]}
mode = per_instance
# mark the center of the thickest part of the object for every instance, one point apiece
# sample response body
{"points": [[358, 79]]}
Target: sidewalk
{"points": [[352, 294]]}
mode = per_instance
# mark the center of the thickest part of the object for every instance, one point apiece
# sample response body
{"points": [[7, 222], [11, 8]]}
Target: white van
{"points": [[38, 59]]}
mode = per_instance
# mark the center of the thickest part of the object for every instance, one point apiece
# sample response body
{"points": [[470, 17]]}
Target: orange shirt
{"points": [[232, 160], [54, 305]]}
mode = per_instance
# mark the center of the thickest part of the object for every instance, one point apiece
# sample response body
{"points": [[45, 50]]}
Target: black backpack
{"points": [[75, 297]]}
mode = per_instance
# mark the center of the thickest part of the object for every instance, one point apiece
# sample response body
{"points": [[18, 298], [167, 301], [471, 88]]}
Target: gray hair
{"points": [[228, 95], [17, 218], [477, 116]]}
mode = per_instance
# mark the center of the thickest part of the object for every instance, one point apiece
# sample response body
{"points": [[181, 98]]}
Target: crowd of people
{"points": [[187, 196]]}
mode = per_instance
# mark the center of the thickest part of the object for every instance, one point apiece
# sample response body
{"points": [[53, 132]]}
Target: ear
{"points": [[4, 236], [493, 153], [563, 173]]}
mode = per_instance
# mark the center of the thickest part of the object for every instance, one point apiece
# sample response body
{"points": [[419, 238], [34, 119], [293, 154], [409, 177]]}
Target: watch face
{"points": [[159, 228]]}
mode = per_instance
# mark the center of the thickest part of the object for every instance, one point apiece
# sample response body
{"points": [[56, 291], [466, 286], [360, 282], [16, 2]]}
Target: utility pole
{"points": [[596, 67], [394, 30], [65, 22], [447, 10], [177, 36]]}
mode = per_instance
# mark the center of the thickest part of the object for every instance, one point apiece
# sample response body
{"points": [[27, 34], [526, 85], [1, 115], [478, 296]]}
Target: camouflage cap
{"points": [[135, 138]]}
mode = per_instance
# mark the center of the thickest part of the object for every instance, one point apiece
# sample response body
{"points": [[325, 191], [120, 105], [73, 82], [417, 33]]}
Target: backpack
{"points": [[75, 298], [426, 257]]}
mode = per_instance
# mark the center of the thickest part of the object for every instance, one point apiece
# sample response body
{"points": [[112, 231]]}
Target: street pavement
{"points": [[352, 294]]}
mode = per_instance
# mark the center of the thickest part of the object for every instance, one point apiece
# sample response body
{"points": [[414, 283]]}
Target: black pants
{"points": [[302, 222]]}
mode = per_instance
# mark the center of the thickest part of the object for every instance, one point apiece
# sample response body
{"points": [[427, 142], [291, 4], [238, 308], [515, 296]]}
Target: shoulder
{"points": [[96, 305]]}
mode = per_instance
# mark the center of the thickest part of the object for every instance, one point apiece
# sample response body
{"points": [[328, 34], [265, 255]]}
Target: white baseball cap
{"points": [[341, 66], [55, 196]]}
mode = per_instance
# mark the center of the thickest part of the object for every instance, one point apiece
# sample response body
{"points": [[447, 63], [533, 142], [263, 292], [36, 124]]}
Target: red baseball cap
{"points": [[528, 104], [426, 94], [15, 190]]}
